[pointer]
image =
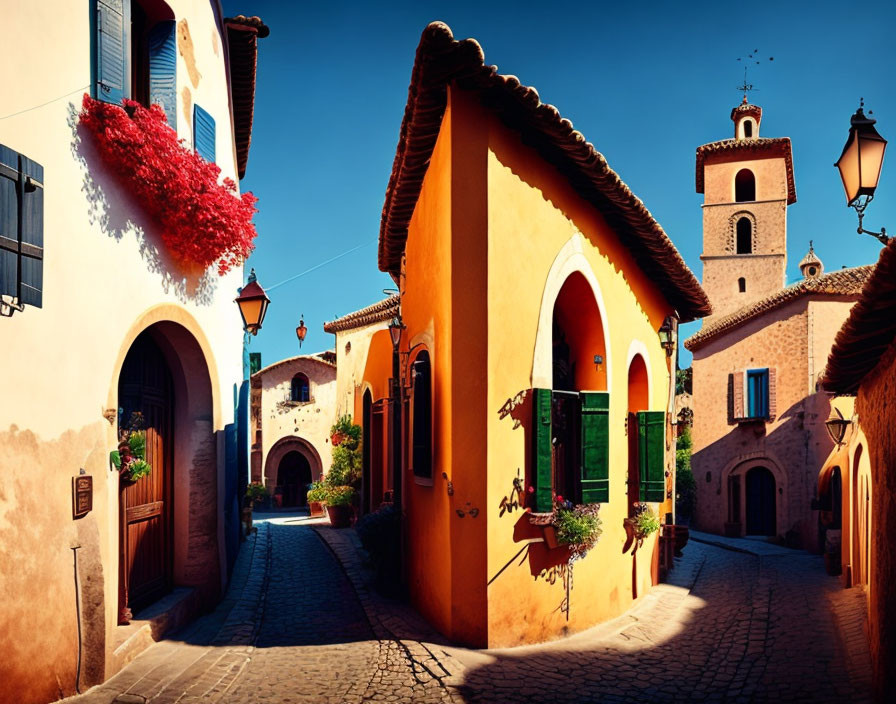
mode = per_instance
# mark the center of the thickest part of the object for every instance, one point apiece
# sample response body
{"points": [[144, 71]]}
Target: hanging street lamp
{"points": [[860, 164], [253, 304], [667, 335], [395, 329], [301, 330], [836, 426]]}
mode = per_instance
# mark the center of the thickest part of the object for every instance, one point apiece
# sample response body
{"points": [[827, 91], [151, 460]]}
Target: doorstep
{"points": [[152, 623]]}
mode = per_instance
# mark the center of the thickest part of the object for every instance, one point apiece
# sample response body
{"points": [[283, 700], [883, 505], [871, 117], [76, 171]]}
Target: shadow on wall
{"points": [[117, 213], [791, 444]]}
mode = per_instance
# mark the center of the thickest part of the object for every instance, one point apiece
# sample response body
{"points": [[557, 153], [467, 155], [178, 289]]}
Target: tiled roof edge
{"points": [[382, 310]]}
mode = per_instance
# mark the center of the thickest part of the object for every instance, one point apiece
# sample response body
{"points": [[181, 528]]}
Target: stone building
{"points": [[861, 473], [758, 435], [292, 410], [101, 322]]}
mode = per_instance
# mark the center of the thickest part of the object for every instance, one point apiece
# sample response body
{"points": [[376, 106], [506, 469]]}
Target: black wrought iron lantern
{"points": [[836, 426], [667, 335], [395, 329], [253, 304]]}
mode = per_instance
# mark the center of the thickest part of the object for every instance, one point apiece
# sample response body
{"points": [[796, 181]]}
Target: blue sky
{"points": [[646, 83]]}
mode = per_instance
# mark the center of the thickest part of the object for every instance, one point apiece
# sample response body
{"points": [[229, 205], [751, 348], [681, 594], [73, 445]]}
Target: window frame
{"points": [[756, 394], [292, 389], [422, 413]]}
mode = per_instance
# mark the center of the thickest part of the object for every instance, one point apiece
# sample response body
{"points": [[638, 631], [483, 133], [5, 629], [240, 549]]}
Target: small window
{"points": [[422, 416], [300, 390], [742, 285], [748, 129], [757, 393], [744, 236], [812, 271], [744, 186]]}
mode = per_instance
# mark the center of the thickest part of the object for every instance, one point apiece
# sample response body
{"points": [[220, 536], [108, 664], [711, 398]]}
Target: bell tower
{"points": [[747, 184]]}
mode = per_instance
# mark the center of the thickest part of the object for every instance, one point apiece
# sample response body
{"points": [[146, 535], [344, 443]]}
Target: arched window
{"points": [[744, 236], [300, 390], [742, 285], [748, 129], [744, 186], [421, 430]]}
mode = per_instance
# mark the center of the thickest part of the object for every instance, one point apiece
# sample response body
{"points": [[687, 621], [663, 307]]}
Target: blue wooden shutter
{"points": [[163, 69], [113, 53], [651, 455], [203, 134], [9, 222], [31, 263], [595, 476], [542, 449]]}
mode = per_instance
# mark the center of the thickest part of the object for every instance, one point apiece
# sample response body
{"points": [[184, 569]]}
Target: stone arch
{"points": [[569, 260], [285, 445], [198, 539], [638, 348], [732, 482], [731, 240]]}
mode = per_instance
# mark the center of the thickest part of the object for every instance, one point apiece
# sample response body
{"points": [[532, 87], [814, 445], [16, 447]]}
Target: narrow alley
{"points": [[299, 624]]}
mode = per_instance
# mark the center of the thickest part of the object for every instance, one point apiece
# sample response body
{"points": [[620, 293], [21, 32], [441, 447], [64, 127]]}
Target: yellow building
{"points": [[533, 286]]}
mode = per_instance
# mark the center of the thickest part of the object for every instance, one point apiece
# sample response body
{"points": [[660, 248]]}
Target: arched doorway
{"points": [[760, 500], [293, 478], [861, 519], [146, 402]]}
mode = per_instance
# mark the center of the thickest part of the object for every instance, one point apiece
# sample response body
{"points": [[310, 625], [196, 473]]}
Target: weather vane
{"points": [[749, 59]]}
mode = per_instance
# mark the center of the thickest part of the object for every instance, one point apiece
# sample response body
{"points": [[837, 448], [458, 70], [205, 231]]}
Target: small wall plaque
{"points": [[82, 496]]}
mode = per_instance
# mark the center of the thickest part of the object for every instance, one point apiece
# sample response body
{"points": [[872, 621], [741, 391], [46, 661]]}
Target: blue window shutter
{"points": [[595, 471], [203, 134], [9, 222], [113, 54], [31, 267], [163, 69]]}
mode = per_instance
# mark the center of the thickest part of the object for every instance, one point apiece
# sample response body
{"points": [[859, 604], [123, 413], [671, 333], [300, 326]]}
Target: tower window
{"points": [[748, 129], [742, 285], [744, 236], [744, 186], [300, 390]]}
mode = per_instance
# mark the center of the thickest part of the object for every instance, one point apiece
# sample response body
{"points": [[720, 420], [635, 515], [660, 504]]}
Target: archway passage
{"points": [[293, 478], [145, 387], [760, 502]]}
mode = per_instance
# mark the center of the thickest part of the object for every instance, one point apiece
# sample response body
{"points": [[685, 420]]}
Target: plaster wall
{"points": [[877, 415], [794, 444], [352, 350], [533, 209], [719, 171], [106, 277], [283, 419]]}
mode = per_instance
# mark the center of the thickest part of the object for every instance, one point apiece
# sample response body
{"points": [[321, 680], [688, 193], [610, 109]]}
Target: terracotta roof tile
{"points": [[383, 310], [774, 146], [868, 332], [441, 61], [320, 357], [243, 34], [843, 282]]}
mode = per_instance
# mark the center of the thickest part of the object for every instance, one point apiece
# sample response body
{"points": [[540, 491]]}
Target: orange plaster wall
{"points": [[532, 214]]}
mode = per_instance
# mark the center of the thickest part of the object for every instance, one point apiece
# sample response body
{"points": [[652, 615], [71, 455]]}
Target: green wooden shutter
{"points": [[9, 222], [595, 471], [541, 456], [651, 455], [163, 69], [113, 64]]}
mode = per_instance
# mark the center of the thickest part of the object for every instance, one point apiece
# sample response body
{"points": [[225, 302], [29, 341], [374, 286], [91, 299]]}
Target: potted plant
{"points": [[317, 496], [577, 528], [344, 431], [339, 505], [130, 457], [643, 523], [256, 493]]}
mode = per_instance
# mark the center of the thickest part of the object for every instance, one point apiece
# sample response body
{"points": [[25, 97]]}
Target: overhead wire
{"points": [[318, 266], [35, 107]]}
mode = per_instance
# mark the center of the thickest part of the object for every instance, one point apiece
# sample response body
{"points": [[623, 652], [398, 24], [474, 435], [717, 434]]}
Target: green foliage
{"points": [[579, 527], [347, 458], [684, 383], [257, 492], [317, 491], [115, 458], [137, 443], [339, 495], [350, 433], [685, 484], [380, 534], [139, 468], [646, 521]]}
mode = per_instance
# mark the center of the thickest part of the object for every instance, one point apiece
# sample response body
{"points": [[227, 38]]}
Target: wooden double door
{"points": [[146, 556]]}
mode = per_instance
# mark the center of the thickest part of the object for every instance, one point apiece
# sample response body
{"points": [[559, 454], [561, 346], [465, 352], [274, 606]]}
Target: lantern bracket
{"points": [[860, 204]]}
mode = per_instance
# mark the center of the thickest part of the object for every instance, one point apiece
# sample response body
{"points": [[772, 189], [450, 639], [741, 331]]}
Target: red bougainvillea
{"points": [[202, 221]]}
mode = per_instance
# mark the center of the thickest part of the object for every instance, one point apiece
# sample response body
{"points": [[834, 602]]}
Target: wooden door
{"points": [[760, 502], [145, 387], [565, 452]]}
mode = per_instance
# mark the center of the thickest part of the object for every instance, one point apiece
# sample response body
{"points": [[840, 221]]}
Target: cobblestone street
{"points": [[299, 624]]}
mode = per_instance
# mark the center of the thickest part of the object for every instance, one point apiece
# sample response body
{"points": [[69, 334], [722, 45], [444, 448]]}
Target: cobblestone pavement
{"points": [[300, 624]]}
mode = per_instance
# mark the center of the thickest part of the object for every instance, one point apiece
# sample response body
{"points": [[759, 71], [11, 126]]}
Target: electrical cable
{"points": [[318, 266], [35, 107]]}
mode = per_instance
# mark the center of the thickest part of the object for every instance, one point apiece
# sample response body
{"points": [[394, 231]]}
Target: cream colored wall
{"points": [[102, 273], [533, 210], [826, 316], [310, 421], [350, 365]]}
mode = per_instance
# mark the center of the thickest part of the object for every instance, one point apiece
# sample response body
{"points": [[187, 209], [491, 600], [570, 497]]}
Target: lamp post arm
{"points": [[860, 210]]}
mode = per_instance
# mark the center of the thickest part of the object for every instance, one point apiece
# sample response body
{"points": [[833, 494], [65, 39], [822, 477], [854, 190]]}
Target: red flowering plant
{"points": [[203, 222]]}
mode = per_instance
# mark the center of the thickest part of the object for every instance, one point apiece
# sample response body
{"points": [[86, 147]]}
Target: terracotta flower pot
{"points": [[337, 438], [340, 516], [316, 508], [550, 536]]}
